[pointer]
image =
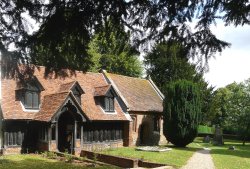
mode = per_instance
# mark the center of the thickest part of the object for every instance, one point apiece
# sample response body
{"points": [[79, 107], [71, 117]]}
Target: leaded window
{"points": [[102, 133], [31, 100], [13, 138], [108, 104]]}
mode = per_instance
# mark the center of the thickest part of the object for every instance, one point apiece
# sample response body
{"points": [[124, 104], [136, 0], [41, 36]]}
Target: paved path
{"points": [[200, 160]]}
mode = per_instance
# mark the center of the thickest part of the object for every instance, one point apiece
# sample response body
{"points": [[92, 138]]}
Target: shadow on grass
{"points": [[240, 151], [188, 148], [37, 162]]}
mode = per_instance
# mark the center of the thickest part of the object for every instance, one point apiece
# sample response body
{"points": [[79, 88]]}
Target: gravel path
{"points": [[200, 160]]}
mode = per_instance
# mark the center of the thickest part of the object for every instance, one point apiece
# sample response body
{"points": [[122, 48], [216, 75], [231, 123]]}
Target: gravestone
{"points": [[218, 137], [206, 139], [231, 148]]}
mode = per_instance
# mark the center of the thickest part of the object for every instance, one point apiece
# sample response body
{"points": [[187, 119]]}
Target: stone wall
{"points": [[53, 146], [102, 145], [12, 150]]}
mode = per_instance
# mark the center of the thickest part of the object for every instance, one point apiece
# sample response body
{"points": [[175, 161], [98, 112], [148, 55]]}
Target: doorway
{"points": [[144, 134], [66, 125]]}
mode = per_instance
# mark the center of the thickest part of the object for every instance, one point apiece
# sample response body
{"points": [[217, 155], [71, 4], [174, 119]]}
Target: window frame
{"points": [[108, 104], [33, 93]]}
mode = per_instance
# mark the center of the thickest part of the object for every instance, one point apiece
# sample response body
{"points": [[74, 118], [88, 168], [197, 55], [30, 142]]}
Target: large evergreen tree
{"points": [[167, 62], [110, 49], [182, 107], [67, 25]]}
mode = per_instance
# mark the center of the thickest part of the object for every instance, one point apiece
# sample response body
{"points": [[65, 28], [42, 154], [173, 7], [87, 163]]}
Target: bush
{"points": [[182, 107], [49, 154], [68, 157]]}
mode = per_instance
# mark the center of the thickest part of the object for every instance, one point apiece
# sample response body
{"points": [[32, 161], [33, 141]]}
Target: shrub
{"points": [[182, 107], [49, 154], [68, 157]]}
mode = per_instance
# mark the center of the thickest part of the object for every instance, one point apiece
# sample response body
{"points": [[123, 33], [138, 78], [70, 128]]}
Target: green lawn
{"points": [[176, 157], [36, 162], [222, 157], [228, 159]]}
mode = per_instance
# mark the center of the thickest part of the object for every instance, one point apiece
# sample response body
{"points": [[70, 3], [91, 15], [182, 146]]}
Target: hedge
{"points": [[205, 129]]}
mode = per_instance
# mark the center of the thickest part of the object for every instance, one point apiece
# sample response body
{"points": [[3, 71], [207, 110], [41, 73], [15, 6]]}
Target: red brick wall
{"points": [[152, 137], [114, 160], [120, 161]]}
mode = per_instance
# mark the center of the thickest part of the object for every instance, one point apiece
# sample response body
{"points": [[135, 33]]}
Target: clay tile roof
{"points": [[50, 106], [54, 93], [139, 94], [101, 90], [66, 87]]}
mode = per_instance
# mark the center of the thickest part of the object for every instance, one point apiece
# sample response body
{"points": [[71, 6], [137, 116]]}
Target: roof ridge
{"points": [[39, 66], [139, 78]]}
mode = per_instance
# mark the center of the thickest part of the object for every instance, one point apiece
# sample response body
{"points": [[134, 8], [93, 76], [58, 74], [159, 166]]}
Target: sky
{"points": [[232, 64]]}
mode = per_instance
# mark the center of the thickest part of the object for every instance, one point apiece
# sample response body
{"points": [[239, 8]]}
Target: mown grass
{"points": [[176, 157], [228, 159], [32, 161], [223, 157]]}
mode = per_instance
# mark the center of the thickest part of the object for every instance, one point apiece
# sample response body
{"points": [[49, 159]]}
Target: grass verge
{"points": [[228, 159], [32, 161], [176, 157]]}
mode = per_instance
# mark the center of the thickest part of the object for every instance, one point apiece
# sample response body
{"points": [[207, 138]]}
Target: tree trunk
{"points": [[245, 134]]}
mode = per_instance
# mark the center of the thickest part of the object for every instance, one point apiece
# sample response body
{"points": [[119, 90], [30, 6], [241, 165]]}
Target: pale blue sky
{"points": [[233, 64]]}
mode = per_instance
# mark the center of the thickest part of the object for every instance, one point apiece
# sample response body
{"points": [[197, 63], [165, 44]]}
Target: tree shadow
{"points": [[240, 151]]}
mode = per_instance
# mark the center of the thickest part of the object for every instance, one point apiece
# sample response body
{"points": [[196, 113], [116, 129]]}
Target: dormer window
{"points": [[108, 104], [28, 93], [77, 94], [31, 100], [75, 88], [106, 97]]}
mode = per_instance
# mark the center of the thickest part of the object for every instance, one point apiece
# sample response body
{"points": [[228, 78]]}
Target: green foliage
{"points": [[205, 129], [110, 49], [49, 154], [66, 27], [167, 62], [182, 108], [232, 107], [68, 157]]}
